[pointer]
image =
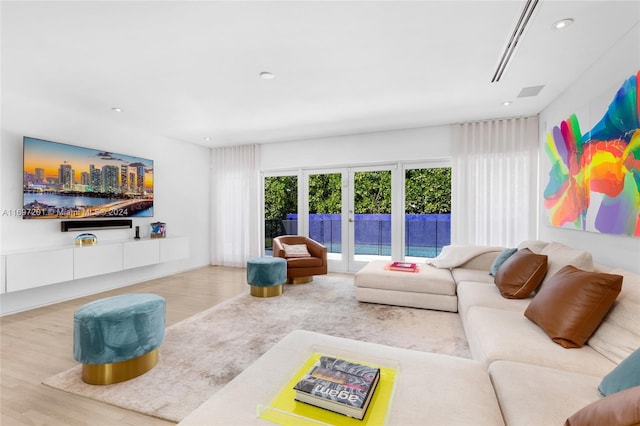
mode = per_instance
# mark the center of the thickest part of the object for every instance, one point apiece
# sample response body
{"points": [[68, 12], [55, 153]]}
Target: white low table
{"points": [[431, 389]]}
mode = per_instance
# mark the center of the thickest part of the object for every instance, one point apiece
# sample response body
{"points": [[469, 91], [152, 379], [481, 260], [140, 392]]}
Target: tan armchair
{"points": [[301, 269]]}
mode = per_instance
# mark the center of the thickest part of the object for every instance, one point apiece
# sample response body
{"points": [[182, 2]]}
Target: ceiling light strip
{"points": [[525, 16]]}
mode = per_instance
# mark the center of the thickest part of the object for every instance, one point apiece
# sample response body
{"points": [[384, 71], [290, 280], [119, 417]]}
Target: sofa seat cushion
{"points": [[498, 334], [303, 262], [471, 293], [535, 395], [619, 333], [466, 274], [427, 280]]}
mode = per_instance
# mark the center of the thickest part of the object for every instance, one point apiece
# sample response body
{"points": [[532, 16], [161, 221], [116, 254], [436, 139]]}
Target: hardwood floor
{"points": [[37, 344]]}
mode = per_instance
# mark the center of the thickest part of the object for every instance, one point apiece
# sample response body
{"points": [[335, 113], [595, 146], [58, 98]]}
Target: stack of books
{"points": [[339, 385], [403, 266]]}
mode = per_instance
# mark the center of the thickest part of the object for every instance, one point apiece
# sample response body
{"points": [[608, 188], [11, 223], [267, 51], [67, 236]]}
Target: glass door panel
{"points": [[371, 215], [427, 219], [325, 212], [280, 208]]}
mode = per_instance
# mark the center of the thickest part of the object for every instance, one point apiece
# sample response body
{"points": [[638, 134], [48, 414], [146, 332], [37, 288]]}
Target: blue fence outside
{"points": [[425, 234]]}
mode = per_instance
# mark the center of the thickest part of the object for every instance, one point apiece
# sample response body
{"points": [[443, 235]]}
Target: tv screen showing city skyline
{"points": [[68, 181]]}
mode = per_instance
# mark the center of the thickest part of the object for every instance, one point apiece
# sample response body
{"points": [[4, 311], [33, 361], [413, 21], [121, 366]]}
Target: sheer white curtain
{"points": [[235, 205], [494, 182]]}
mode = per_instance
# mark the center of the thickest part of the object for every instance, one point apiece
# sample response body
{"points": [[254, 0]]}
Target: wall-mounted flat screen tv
{"points": [[64, 181]]}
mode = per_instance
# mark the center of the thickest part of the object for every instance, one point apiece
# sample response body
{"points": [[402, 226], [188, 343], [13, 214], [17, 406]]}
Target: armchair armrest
{"points": [[316, 249]]}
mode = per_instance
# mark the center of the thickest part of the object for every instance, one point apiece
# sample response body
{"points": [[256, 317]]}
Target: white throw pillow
{"points": [[559, 256], [295, 250]]}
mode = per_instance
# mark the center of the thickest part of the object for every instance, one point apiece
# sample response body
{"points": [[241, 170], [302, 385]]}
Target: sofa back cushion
{"points": [[619, 334], [535, 246], [521, 274], [572, 304], [559, 256]]}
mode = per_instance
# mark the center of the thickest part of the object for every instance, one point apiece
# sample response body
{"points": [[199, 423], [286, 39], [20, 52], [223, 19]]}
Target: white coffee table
{"points": [[431, 389]]}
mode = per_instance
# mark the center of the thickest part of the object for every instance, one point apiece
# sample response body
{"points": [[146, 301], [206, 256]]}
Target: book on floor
{"points": [[403, 266], [338, 385]]}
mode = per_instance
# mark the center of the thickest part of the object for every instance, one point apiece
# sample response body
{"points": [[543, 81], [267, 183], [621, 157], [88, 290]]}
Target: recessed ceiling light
{"points": [[266, 75], [116, 109], [208, 139], [563, 23], [507, 103]]}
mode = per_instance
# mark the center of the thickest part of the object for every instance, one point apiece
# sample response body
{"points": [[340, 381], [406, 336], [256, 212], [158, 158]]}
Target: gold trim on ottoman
{"points": [[116, 372], [259, 291], [300, 280]]}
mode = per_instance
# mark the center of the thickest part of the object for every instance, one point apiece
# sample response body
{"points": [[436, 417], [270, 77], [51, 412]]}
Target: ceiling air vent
{"points": [[525, 16], [528, 92]]}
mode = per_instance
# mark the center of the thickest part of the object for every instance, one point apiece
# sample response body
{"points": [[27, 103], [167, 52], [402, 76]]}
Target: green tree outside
{"points": [[427, 191]]}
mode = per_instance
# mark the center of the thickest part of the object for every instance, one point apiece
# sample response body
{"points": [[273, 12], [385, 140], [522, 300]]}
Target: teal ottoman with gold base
{"points": [[266, 275], [117, 338]]}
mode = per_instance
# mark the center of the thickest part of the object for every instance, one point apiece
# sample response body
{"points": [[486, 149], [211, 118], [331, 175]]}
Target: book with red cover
{"points": [[403, 266]]}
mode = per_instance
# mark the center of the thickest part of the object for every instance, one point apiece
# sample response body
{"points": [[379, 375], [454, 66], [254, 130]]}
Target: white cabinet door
{"points": [[37, 268], [96, 260], [3, 287], [141, 253], [173, 248]]}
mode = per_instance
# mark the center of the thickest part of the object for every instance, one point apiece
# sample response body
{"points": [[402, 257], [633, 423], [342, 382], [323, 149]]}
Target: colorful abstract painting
{"points": [[594, 180]]}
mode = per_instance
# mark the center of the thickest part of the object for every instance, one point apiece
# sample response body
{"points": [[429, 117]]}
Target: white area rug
{"points": [[201, 354]]}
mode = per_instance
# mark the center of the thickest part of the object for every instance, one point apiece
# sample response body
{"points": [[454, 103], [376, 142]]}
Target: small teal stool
{"points": [[266, 275], [117, 338]]}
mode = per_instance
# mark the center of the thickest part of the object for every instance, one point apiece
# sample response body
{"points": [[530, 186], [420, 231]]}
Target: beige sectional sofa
{"points": [[518, 375], [536, 381]]}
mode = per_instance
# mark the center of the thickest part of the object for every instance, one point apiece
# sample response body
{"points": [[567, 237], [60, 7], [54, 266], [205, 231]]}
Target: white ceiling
{"points": [[190, 69]]}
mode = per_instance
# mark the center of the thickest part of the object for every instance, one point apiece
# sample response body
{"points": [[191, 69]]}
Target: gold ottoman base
{"points": [[116, 372], [274, 290], [300, 280]]}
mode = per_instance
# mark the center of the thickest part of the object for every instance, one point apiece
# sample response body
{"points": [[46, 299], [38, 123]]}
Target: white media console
{"points": [[34, 268]]}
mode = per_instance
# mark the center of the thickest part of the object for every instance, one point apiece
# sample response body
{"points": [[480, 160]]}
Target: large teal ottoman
{"points": [[117, 338], [266, 275]]}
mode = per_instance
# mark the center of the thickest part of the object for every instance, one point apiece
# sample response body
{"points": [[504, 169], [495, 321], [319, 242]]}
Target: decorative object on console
{"points": [[158, 230], [338, 385], [570, 306], [86, 240], [521, 274]]}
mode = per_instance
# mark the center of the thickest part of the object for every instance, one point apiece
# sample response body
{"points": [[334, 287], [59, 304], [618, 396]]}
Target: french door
{"points": [[353, 212]]}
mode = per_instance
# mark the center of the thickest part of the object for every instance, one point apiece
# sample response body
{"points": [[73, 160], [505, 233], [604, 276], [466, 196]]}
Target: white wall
{"points": [[589, 97], [425, 143], [181, 197]]}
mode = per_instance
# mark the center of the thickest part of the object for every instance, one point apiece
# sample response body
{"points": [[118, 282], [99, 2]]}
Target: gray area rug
{"points": [[202, 353]]}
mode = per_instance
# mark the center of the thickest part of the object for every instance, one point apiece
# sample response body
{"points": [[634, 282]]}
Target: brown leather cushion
{"points": [[521, 274], [571, 305], [620, 409]]}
